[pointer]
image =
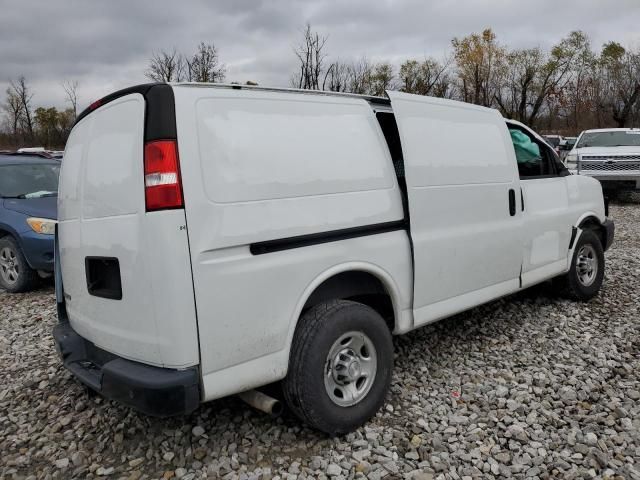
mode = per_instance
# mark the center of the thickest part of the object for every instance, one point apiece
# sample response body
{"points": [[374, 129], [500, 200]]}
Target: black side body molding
{"points": [[288, 243]]}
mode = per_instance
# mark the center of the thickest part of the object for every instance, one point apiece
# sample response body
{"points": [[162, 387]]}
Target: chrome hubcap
{"points": [[9, 266], [587, 265], [350, 369]]}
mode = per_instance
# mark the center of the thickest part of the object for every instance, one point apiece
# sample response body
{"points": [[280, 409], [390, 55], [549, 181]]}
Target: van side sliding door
{"points": [[464, 203]]}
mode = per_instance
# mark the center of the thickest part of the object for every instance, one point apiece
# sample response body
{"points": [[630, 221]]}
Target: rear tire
{"points": [[585, 276], [15, 273], [340, 366]]}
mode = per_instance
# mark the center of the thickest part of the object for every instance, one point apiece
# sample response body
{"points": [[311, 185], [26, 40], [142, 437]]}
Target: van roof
{"points": [[143, 89], [235, 86]]}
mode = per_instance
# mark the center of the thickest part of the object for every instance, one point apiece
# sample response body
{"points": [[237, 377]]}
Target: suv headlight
{"points": [[45, 226], [571, 161]]}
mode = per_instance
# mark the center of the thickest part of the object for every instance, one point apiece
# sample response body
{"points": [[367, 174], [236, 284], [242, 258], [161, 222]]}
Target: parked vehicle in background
{"points": [[566, 146], [28, 205], [555, 141], [35, 151], [237, 236], [611, 155]]}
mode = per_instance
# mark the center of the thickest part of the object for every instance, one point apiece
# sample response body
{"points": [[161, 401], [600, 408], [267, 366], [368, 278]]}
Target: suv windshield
{"points": [[610, 139], [553, 141], [29, 180]]}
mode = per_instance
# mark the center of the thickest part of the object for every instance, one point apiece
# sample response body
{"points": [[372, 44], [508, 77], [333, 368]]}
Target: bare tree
{"points": [[422, 78], [204, 66], [360, 76], [311, 57], [13, 108], [23, 92], [478, 57], [166, 66], [336, 78], [521, 70], [620, 69], [71, 91], [382, 78]]}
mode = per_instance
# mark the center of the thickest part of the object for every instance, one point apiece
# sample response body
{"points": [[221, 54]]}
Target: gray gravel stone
{"points": [[529, 386]]}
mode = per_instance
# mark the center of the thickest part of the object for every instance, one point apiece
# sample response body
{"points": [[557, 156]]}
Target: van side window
{"points": [[534, 158]]}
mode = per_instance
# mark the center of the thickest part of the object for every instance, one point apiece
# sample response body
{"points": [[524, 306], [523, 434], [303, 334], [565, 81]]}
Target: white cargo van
{"points": [[215, 239]]}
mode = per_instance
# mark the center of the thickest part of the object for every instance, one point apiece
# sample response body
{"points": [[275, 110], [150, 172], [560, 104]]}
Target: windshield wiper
{"points": [[23, 196]]}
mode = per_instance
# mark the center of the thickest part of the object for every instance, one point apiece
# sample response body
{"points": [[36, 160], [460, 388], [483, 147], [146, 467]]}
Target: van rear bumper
{"points": [[159, 392]]}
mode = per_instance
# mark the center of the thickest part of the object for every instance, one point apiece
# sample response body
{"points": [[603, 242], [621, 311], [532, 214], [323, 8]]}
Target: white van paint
{"points": [[259, 166], [102, 213], [466, 245]]}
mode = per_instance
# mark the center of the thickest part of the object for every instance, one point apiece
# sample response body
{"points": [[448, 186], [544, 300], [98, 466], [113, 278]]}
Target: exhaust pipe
{"points": [[264, 403]]}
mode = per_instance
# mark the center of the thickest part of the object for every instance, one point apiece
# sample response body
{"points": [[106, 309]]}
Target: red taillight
{"points": [[162, 185]]}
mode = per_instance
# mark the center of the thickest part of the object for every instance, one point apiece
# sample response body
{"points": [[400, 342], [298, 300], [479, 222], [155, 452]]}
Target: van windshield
{"points": [[29, 180], [629, 138]]}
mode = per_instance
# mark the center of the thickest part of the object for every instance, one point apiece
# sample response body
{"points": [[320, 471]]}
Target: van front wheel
{"points": [[340, 366], [583, 280]]}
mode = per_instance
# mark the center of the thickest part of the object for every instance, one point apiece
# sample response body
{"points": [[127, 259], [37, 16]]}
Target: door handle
{"points": [[512, 202], [522, 199]]}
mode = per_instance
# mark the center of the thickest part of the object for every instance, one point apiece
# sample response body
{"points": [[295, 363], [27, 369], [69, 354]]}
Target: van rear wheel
{"points": [[340, 366]]}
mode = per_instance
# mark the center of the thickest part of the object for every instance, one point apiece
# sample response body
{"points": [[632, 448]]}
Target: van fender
{"points": [[577, 231], [8, 230], [586, 215], [387, 281]]}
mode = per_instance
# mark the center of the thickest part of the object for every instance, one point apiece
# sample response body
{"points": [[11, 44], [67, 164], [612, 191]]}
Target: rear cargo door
{"points": [[126, 272], [464, 204]]}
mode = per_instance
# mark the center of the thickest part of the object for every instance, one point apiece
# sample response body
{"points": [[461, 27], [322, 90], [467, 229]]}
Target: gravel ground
{"points": [[529, 386]]}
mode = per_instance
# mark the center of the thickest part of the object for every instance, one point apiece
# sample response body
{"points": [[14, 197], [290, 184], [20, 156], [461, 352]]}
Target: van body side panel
{"points": [[102, 219], [254, 302], [459, 168], [260, 166]]}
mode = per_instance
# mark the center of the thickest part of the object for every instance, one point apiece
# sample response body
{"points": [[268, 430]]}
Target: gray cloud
{"points": [[105, 45]]}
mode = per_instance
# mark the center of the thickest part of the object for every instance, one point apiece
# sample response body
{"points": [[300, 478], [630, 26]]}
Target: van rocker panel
{"points": [[155, 391]]}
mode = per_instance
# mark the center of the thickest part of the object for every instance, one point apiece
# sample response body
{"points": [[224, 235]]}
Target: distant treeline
{"points": [[565, 89]]}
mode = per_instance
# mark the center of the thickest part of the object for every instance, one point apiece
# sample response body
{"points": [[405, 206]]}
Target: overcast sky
{"points": [[105, 45]]}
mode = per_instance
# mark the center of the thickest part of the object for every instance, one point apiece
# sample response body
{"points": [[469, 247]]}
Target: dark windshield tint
{"points": [[553, 141], [29, 180], [610, 139]]}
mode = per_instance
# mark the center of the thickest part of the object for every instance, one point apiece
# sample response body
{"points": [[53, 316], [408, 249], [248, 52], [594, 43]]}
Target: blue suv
{"points": [[28, 212]]}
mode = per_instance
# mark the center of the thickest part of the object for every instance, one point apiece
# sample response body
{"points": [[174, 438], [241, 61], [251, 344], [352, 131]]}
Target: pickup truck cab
{"points": [[214, 239], [611, 155]]}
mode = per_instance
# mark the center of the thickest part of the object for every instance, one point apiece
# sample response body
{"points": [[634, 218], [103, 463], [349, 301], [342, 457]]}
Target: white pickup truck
{"points": [[611, 155], [215, 239]]}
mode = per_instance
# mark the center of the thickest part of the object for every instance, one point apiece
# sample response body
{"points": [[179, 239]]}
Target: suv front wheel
{"points": [[15, 273], [340, 366]]}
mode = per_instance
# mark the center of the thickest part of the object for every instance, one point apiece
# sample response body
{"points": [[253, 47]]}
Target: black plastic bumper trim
{"points": [[155, 391]]}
